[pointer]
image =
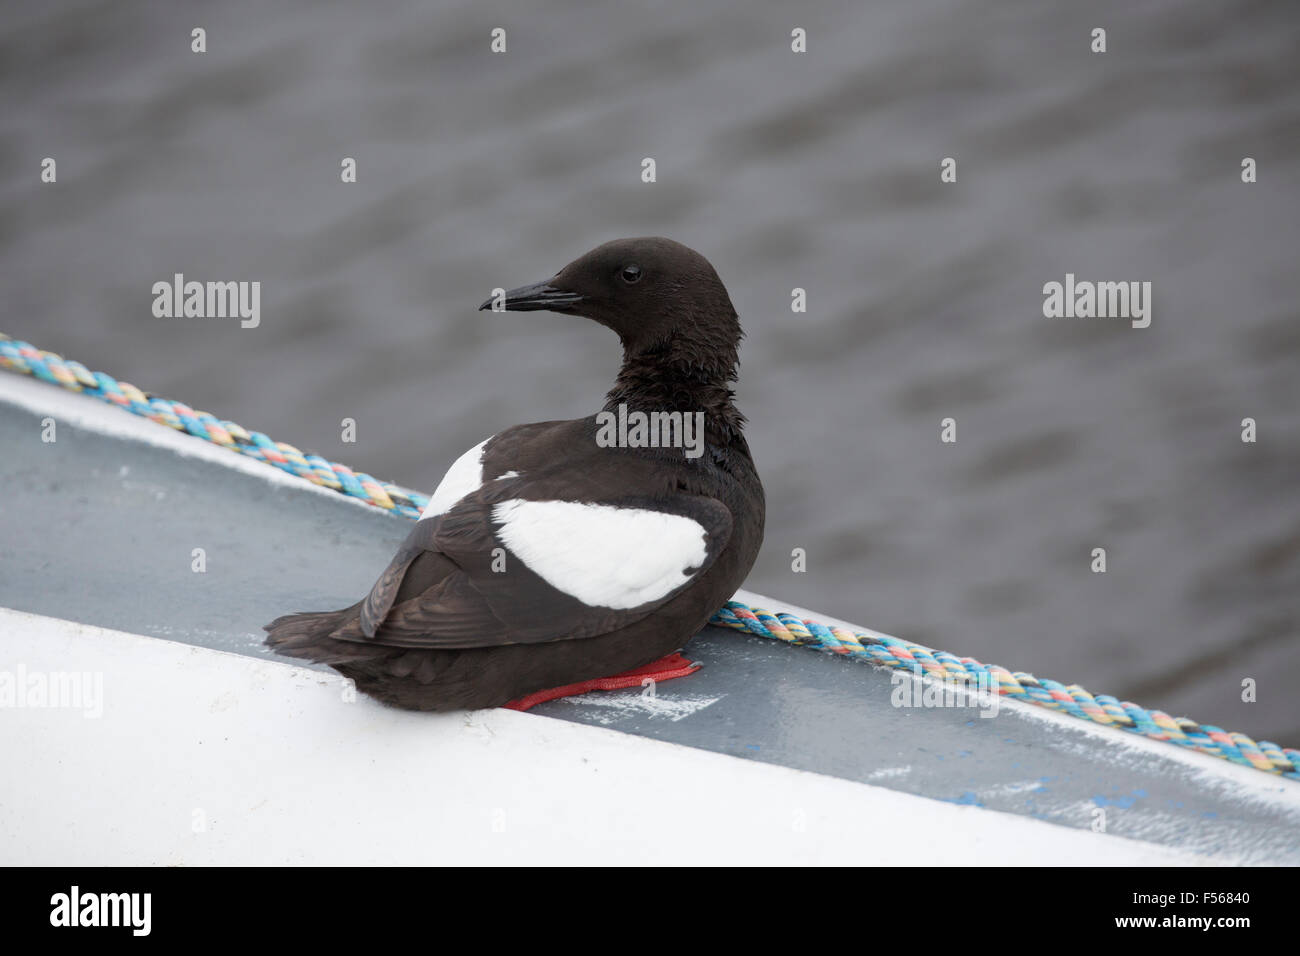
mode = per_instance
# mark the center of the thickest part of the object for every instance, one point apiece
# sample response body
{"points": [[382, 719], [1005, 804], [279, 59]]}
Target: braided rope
{"points": [[880, 650], [966, 671], [47, 366]]}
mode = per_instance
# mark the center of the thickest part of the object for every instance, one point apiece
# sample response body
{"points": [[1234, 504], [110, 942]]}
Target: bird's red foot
{"points": [[666, 668]]}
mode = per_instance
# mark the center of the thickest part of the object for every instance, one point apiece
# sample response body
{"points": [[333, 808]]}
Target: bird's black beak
{"points": [[533, 298]]}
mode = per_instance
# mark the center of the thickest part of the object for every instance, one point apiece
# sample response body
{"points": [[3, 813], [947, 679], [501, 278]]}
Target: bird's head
{"points": [[657, 295]]}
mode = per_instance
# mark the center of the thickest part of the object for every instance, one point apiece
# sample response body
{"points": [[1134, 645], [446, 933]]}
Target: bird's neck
{"points": [[680, 378]]}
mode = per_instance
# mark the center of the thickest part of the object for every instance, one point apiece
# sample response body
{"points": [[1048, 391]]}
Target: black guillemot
{"points": [[550, 556]]}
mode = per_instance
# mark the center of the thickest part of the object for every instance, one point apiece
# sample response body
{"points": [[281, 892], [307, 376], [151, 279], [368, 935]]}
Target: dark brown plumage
{"points": [[444, 629]]}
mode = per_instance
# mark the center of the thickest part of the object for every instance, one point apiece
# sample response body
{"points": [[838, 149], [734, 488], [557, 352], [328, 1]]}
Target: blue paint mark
{"points": [[967, 799], [1123, 803], [1041, 789], [753, 746]]}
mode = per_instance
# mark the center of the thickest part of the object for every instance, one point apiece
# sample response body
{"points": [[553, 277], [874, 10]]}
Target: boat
{"points": [[152, 727]]}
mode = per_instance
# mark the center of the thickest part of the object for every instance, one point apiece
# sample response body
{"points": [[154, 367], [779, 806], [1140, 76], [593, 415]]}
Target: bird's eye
{"points": [[631, 273]]}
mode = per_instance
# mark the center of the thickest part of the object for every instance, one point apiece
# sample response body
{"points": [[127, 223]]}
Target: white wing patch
{"points": [[464, 477], [604, 556]]}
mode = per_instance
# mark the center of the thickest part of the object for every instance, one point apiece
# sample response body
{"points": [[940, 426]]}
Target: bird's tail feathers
{"points": [[312, 635]]}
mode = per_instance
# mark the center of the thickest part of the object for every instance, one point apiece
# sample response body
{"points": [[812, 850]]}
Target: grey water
{"points": [[817, 170]]}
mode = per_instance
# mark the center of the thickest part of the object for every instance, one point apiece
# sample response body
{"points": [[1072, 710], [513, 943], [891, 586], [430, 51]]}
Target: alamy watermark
{"points": [[1073, 299], [75, 908], [61, 690], [912, 688], [636, 429], [208, 300]]}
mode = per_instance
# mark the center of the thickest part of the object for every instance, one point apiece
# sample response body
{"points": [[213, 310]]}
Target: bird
{"points": [[555, 554]]}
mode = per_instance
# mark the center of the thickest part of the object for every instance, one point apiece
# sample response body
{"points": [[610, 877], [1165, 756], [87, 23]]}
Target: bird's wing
{"points": [[514, 568], [384, 593]]}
